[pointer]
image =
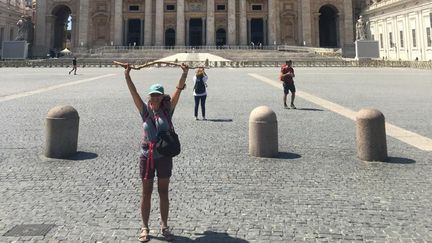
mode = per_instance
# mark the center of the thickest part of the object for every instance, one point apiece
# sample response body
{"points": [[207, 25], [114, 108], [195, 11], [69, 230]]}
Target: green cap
{"points": [[156, 89]]}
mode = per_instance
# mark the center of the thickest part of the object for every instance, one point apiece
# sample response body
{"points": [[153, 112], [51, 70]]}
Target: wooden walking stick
{"points": [[138, 67]]}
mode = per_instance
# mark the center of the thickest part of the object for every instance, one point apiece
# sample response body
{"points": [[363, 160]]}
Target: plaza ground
{"points": [[316, 191]]}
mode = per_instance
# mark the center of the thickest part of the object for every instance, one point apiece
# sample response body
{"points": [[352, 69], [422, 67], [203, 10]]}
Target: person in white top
{"points": [[200, 91]]}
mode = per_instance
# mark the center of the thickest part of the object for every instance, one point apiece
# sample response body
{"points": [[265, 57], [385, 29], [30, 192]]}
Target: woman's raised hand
{"points": [[185, 68], [127, 68]]}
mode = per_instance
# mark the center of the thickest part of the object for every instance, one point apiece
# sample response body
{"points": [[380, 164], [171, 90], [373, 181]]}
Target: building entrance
{"points": [[170, 37], [134, 32], [257, 31], [220, 37], [195, 32], [62, 35], [328, 26]]}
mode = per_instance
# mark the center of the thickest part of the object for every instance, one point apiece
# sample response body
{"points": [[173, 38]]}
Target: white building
{"points": [[402, 27]]}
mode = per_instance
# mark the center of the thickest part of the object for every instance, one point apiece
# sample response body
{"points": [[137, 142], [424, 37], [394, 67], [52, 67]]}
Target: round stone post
{"points": [[371, 135], [61, 132], [263, 133]]}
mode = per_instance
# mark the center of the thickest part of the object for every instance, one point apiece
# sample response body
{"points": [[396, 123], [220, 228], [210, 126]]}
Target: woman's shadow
{"points": [[208, 236]]}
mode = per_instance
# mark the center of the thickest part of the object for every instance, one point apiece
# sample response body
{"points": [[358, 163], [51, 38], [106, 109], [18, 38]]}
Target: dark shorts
{"points": [[289, 87], [162, 167]]}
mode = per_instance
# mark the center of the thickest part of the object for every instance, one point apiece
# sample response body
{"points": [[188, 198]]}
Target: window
{"points": [[170, 7], [11, 34], [220, 7], [381, 41], [373, 37], [428, 37], [133, 8], [401, 39], [391, 39], [430, 18], [414, 40], [256, 7]]}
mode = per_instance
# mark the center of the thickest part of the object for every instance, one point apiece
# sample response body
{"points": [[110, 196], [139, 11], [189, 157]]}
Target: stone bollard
{"points": [[61, 132], [263, 133], [371, 135]]}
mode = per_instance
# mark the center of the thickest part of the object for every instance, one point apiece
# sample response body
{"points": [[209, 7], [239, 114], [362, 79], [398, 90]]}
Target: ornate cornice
{"points": [[386, 5]]}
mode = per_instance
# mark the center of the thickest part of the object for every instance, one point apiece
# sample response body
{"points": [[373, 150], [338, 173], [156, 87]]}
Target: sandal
{"points": [[144, 235], [167, 234]]}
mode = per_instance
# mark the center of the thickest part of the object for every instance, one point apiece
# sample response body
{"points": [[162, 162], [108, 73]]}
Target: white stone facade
{"points": [[402, 27], [95, 23]]}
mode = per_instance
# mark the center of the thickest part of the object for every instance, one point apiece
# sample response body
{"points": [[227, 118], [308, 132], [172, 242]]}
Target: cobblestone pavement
{"points": [[316, 191]]}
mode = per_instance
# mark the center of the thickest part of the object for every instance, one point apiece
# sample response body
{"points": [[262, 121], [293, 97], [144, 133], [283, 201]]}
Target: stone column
{"points": [[74, 32], [83, 23], [126, 29], [348, 38], [315, 37], [266, 30], [187, 31], [306, 22], [142, 33], [340, 33], [180, 29], [148, 32], [210, 23], [118, 22], [159, 23], [40, 48], [204, 31], [243, 23], [271, 22], [49, 35], [232, 40]]}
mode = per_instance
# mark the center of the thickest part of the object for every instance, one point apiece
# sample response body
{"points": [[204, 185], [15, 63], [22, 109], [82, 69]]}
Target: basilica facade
{"points": [[96, 23]]}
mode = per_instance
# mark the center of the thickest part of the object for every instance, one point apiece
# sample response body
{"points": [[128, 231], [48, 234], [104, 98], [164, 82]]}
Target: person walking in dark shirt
{"points": [[74, 66], [287, 77]]}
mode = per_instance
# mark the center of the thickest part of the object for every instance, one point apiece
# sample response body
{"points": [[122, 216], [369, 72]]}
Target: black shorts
{"points": [[289, 87], [162, 166]]}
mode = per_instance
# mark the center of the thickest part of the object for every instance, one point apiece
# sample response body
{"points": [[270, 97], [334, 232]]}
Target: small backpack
{"points": [[199, 86]]}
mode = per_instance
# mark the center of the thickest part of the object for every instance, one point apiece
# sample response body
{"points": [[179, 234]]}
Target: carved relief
{"points": [[289, 30], [288, 22], [316, 5], [221, 23], [100, 22], [195, 6]]}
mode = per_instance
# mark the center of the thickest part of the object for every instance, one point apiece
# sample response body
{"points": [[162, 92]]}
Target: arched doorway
{"points": [[257, 31], [328, 26], [220, 37], [134, 32], [170, 37], [195, 32], [62, 34]]}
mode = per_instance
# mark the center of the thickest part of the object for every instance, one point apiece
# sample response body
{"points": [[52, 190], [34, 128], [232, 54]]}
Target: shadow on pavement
{"points": [[309, 109], [219, 120], [83, 156], [398, 160], [207, 236], [286, 155]]}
